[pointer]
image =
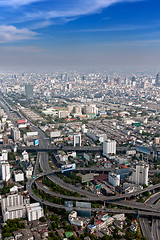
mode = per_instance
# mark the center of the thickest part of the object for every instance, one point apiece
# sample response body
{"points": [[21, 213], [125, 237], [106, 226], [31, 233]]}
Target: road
{"points": [[150, 234], [44, 163], [42, 159], [155, 230]]}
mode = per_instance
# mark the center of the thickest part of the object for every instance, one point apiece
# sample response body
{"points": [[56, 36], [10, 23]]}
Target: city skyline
{"points": [[43, 35]]}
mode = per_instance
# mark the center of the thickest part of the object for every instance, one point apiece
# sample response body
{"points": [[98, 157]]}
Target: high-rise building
{"points": [[140, 176], [15, 134], [107, 79], [4, 166], [77, 140], [78, 109], [158, 79], [63, 114], [114, 179], [109, 147], [4, 156], [69, 86], [6, 175], [29, 91], [91, 109], [13, 207], [34, 211]]}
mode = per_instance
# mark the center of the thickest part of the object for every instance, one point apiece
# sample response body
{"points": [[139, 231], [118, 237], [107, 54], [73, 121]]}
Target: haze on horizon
{"points": [[45, 35]]}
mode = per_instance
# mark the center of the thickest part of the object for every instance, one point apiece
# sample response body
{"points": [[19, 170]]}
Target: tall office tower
{"points": [[13, 207], [111, 82], [67, 77], [15, 134], [133, 81], [109, 147], [158, 79], [29, 91], [107, 79], [77, 140], [126, 81], [69, 86], [63, 77], [140, 177]]}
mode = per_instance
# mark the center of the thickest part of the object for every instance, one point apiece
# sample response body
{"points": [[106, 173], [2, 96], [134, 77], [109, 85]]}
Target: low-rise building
{"points": [[18, 176], [73, 219]]}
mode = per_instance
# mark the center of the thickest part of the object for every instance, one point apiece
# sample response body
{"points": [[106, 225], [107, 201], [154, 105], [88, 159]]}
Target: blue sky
{"points": [[60, 34]]}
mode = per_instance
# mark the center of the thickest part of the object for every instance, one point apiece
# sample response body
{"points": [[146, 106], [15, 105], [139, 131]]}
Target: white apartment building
{"points": [[140, 176], [109, 147], [13, 207], [5, 168], [34, 211], [91, 109], [77, 140], [114, 179], [4, 156], [63, 114]]}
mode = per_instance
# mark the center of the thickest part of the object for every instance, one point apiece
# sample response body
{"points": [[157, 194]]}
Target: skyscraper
{"points": [[29, 91], [158, 79]]}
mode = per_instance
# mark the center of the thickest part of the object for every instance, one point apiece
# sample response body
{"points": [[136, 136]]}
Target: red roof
{"points": [[21, 121], [124, 166], [98, 221]]}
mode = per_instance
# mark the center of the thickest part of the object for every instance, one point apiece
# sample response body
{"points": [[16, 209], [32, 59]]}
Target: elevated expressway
{"points": [[153, 232], [44, 163]]}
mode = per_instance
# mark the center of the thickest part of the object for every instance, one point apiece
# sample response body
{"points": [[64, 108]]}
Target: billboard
{"points": [[31, 134], [36, 142], [28, 164], [68, 167], [21, 121]]}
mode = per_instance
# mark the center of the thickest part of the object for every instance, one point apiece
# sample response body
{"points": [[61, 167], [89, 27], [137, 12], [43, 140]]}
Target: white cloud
{"points": [[16, 2], [11, 33], [74, 9]]}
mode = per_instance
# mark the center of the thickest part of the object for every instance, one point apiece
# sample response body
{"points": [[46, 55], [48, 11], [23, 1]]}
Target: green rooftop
{"points": [[68, 234]]}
